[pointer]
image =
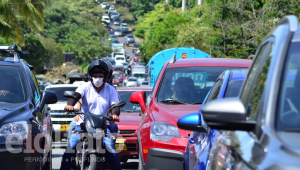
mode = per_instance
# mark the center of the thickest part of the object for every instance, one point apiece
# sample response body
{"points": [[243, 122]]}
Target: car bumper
{"points": [[132, 147], [17, 161], [159, 158]]}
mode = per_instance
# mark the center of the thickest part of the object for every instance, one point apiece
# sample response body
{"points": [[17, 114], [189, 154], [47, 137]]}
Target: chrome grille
{"points": [[61, 122], [62, 116]]}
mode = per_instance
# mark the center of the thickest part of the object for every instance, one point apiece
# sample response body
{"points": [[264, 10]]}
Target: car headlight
{"points": [[163, 132], [18, 129]]}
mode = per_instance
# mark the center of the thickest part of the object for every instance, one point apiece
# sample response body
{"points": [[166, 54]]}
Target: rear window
{"points": [[119, 58], [117, 19], [132, 79], [129, 107], [59, 91], [12, 86], [145, 83], [130, 36]]}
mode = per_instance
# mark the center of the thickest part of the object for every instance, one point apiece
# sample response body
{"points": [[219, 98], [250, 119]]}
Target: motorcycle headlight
{"points": [[18, 129], [163, 132]]}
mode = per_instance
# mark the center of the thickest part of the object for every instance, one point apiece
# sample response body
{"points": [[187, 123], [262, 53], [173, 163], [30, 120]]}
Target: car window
{"points": [[233, 88], [130, 36], [129, 107], [250, 78], [145, 83], [119, 58], [258, 85], [12, 86], [59, 91], [287, 118], [132, 79], [188, 84]]}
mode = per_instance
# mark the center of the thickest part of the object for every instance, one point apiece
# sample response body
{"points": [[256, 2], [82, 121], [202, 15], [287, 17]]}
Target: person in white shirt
{"points": [[97, 97]]}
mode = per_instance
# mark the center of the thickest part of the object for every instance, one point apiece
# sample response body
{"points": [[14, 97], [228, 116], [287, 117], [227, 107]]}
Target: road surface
{"points": [[58, 149]]}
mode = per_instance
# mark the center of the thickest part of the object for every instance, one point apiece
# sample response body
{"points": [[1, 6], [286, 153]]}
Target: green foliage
{"points": [[122, 11], [37, 52], [54, 53], [11, 11], [56, 73], [140, 7], [77, 27]]}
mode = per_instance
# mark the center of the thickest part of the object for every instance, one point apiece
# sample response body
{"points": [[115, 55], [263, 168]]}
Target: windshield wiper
{"points": [[172, 101]]}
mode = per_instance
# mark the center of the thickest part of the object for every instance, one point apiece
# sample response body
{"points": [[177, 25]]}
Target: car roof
{"points": [[135, 89], [8, 61], [238, 75], [211, 62], [61, 85]]}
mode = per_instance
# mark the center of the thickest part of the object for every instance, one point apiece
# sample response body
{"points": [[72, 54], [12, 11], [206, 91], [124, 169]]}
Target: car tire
{"points": [[140, 163], [48, 164]]}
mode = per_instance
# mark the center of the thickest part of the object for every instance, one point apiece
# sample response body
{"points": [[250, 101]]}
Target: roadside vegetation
{"points": [[227, 28]]}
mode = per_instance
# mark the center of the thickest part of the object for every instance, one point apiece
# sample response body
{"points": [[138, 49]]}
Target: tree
{"points": [[11, 11], [37, 52], [54, 53]]}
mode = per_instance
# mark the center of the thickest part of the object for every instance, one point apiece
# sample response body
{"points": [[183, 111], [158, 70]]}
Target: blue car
{"points": [[200, 142]]}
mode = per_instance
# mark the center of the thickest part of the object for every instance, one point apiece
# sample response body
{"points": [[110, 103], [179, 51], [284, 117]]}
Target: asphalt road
{"points": [[58, 149]]}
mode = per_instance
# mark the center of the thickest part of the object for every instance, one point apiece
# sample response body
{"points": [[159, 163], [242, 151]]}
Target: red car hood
{"points": [[171, 114], [129, 121]]}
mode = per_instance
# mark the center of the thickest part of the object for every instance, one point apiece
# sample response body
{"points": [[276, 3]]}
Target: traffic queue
{"points": [[194, 113]]}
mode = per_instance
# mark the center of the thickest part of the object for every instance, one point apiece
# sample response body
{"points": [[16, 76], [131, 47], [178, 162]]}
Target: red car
{"points": [[180, 89], [129, 123]]}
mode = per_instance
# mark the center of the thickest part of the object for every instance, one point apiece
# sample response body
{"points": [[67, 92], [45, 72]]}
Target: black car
{"points": [[26, 129], [261, 128]]}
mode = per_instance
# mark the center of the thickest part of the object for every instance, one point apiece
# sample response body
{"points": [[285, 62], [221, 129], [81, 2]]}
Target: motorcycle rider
{"points": [[97, 97]]}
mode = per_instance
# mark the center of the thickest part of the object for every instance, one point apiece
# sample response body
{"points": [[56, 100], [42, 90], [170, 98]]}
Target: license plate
{"points": [[64, 127], [131, 85], [120, 140]]}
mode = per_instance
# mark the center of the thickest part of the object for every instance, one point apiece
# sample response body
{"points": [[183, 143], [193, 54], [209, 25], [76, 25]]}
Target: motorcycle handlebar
{"points": [[109, 118], [75, 111]]}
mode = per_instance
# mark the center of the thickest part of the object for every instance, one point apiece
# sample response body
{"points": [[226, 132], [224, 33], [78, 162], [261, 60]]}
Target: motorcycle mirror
{"points": [[120, 104], [70, 94]]}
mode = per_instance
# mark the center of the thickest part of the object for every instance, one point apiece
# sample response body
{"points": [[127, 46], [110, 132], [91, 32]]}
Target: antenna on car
{"points": [[173, 59]]}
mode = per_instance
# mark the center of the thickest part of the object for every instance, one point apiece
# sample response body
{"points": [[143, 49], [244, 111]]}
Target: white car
{"points": [[132, 82], [79, 83], [103, 5], [145, 84], [106, 18], [120, 59], [60, 121]]}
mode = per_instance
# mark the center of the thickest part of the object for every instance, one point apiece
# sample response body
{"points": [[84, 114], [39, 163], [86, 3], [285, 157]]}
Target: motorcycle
{"points": [[90, 154]]}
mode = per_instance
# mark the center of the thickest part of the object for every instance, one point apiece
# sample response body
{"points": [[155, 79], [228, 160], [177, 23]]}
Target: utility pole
{"points": [[167, 1], [183, 5], [189, 7], [200, 2]]}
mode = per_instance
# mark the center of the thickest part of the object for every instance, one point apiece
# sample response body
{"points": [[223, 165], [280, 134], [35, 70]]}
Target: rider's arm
{"points": [[114, 99]]}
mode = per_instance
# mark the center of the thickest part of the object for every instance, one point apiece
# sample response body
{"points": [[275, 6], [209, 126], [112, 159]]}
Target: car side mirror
{"points": [[47, 97], [139, 97], [191, 122], [227, 114]]}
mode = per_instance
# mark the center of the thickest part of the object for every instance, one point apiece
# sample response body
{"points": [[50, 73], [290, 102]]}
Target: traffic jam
{"points": [[183, 110]]}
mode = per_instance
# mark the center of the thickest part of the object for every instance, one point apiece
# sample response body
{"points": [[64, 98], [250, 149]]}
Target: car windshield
{"points": [[288, 112], [188, 85], [139, 75], [118, 30], [145, 83], [12, 86], [124, 24], [104, 3], [130, 36], [125, 64], [59, 91], [129, 107], [119, 58], [233, 88]]}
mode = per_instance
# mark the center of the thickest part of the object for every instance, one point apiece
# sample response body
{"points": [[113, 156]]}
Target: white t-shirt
{"points": [[94, 102]]}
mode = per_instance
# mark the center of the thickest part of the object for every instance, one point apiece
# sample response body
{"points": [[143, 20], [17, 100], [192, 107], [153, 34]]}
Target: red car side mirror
{"points": [[139, 97]]}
